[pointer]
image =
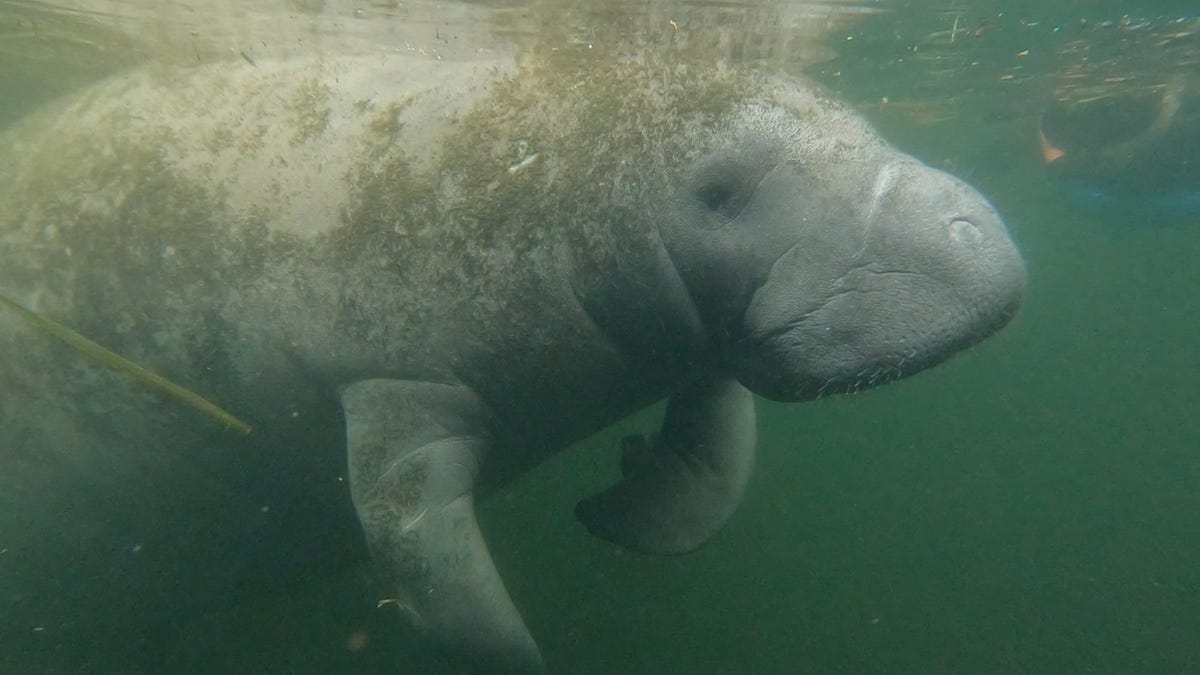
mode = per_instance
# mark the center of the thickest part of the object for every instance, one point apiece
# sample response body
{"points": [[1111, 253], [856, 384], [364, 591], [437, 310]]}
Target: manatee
{"points": [[416, 279]]}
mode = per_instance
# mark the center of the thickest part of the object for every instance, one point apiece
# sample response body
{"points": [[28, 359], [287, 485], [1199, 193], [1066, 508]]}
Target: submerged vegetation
{"points": [[123, 365]]}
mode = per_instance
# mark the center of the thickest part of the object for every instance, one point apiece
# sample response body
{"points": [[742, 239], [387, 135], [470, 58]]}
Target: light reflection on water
{"points": [[49, 48], [930, 61]]}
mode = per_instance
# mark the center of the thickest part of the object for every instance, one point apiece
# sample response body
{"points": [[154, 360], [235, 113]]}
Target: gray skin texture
{"points": [[416, 279]]}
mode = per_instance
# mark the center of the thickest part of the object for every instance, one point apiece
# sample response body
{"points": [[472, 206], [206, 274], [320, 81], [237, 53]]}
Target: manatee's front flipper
{"points": [[680, 486], [414, 451]]}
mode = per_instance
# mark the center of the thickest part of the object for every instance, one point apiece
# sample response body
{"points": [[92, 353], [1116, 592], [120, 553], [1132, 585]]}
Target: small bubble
{"points": [[357, 641]]}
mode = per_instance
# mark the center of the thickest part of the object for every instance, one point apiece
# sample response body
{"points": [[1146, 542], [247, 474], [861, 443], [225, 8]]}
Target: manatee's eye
{"points": [[717, 198], [722, 187], [724, 183]]}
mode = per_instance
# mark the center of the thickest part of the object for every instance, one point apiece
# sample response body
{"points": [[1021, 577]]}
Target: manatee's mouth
{"points": [[804, 359], [804, 381]]}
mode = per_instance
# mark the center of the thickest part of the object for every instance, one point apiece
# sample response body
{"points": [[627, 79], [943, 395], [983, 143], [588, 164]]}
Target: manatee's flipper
{"points": [[680, 486], [414, 451]]}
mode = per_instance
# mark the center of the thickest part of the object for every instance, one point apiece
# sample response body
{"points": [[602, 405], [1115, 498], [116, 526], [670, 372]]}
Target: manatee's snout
{"points": [[947, 235], [927, 270]]}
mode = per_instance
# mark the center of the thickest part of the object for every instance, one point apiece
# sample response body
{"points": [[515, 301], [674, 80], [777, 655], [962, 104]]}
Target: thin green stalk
{"points": [[123, 365]]}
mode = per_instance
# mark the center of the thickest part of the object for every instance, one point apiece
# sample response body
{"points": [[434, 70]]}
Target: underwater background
{"points": [[1032, 506]]}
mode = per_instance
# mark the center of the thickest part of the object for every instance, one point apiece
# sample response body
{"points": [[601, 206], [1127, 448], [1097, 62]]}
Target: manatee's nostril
{"points": [[965, 232]]}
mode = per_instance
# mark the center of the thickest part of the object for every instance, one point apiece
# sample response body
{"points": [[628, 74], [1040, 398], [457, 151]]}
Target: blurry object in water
{"points": [[1112, 101], [1140, 140], [1123, 123]]}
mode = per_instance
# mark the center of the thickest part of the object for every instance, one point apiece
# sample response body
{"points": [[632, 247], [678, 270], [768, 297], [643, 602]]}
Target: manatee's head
{"points": [[822, 260]]}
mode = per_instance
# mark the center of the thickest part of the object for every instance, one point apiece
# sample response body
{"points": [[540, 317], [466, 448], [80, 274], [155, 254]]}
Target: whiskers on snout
{"points": [[863, 380]]}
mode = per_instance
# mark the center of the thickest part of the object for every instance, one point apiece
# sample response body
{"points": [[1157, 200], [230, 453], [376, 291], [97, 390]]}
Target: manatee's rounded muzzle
{"points": [[932, 272]]}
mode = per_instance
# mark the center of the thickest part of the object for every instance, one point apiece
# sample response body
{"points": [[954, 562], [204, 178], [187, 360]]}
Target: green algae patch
{"points": [[312, 111]]}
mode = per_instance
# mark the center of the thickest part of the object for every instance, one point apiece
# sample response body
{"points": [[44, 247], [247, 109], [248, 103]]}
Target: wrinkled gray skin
{"points": [[480, 264]]}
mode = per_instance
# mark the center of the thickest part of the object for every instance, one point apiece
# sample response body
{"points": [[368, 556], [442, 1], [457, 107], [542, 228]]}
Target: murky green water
{"points": [[1033, 506]]}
